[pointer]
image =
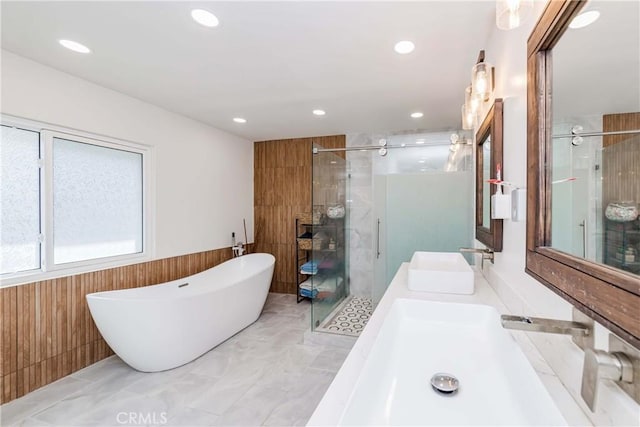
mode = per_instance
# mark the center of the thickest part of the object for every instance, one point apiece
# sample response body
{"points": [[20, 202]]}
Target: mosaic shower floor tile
{"points": [[351, 318]]}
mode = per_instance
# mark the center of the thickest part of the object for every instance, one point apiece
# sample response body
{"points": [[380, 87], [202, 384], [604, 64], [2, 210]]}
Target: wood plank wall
{"points": [[46, 330], [620, 159], [282, 189]]}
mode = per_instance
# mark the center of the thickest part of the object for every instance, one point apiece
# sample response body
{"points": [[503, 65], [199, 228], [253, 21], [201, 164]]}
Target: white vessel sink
{"points": [[443, 272], [497, 385]]}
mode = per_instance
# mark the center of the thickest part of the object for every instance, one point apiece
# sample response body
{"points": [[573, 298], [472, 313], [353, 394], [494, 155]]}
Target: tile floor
{"points": [[350, 317], [264, 375]]}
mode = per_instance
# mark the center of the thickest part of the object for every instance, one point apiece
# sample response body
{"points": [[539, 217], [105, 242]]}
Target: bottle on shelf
{"points": [[630, 255]]}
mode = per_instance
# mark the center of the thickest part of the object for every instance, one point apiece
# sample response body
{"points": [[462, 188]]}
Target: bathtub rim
{"points": [[117, 294]]}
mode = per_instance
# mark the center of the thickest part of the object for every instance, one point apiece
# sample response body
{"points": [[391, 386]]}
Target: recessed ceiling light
{"points": [[421, 161], [419, 141], [584, 19], [239, 120], [74, 46], [403, 47], [417, 115], [319, 112], [204, 17]]}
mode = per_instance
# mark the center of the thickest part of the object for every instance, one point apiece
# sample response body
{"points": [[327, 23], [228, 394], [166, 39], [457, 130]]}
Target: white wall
{"points": [[203, 176], [519, 291]]}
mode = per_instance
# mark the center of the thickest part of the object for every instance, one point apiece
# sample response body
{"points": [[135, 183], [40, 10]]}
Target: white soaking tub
{"points": [[160, 327]]}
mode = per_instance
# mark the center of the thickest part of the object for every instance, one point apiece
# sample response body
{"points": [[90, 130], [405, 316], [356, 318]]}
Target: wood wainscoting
{"points": [[47, 331], [620, 164], [282, 189]]}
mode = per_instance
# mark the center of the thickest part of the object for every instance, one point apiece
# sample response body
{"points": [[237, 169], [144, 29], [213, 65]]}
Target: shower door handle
{"points": [[583, 224], [378, 241]]}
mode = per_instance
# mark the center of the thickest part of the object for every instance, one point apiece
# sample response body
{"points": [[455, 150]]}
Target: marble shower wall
{"points": [[360, 208]]}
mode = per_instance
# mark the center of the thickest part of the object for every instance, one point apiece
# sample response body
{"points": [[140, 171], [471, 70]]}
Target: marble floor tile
{"points": [[330, 359], [253, 408], [110, 367], [152, 381], [265, 374], [30, 422], [214, 364], [188, 417], [16, 410], [219, 398], [303, 395], [294, 411], [288, 336], [99, 409], [180, 392]]}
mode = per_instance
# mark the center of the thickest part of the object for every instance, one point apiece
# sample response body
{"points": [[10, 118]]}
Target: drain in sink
{"points": [[445, 383]]}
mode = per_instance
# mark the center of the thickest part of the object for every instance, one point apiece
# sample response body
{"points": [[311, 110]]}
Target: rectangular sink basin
{"points": [[443, 272], [497, 384]]}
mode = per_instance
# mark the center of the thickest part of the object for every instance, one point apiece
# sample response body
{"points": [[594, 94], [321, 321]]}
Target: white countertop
{"points": [[330, 409]]}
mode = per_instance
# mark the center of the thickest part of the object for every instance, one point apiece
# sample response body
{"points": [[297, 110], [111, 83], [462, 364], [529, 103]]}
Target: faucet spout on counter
{"points": [[486, 254]]}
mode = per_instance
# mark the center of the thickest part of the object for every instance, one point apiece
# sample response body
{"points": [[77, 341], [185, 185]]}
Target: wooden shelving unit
{"points": [[326, 251], [621, 240]]}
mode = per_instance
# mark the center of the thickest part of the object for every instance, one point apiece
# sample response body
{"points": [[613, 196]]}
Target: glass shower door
{"points": [[425, 203], [329, 254]]}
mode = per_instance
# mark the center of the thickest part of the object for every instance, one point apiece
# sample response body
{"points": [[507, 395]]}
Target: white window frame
{"points": [[49, 270]]}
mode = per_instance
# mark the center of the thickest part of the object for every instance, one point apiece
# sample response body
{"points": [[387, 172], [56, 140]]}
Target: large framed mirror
{"points": [[583, 156], [488, 161]]}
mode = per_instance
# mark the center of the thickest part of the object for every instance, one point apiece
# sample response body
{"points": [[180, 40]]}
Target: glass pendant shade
{"points": [[482, 80], [468, 118], [511, 14], [471, 101]]}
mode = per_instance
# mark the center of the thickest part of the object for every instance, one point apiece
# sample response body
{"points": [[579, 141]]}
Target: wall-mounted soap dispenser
{"points": [[519, 204], [500, 203]]}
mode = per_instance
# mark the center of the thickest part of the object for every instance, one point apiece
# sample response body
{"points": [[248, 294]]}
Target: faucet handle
{"points": [[601, 364]]}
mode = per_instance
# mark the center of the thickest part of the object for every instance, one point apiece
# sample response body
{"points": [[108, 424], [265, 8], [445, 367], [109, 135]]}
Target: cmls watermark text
{"points": [[141, 418]]}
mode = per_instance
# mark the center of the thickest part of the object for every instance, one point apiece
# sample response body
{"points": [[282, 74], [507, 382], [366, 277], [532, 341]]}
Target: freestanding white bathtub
{"points": [[160, 327]]}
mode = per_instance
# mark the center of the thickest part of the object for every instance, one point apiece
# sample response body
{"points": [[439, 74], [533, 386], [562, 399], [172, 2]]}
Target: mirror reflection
{"points": [[486, 175], [488, 157], [596, 138]]}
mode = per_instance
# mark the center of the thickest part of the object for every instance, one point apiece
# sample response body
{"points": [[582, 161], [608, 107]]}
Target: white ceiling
{"points": [[270, 62], [596, 69]]}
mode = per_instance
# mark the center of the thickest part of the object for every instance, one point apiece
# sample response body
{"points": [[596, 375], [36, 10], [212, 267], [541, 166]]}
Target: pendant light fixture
{"points": [[471, 101], [469, 118], [482, 79], [480, 90], [511, 14]]}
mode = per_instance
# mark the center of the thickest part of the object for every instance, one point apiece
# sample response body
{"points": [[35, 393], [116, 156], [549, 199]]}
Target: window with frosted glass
{"points": [[97, 201], [19, 200]]}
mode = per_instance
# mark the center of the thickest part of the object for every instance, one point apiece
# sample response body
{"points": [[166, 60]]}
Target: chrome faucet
{"points": [[552, 326], [486, 254], [238, 249], [621, 364], [602, 364]]}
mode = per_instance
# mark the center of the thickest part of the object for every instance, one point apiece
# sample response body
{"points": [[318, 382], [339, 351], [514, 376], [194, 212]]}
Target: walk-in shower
{"points": [[329, 256], [596, 192], [401, 193]]}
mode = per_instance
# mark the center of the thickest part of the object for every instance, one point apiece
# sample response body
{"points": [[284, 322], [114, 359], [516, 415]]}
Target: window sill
{"points": [[26, 277]]}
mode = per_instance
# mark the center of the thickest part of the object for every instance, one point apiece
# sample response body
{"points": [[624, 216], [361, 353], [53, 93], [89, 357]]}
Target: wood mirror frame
{"points": [[491, 126], [608, 295]]}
